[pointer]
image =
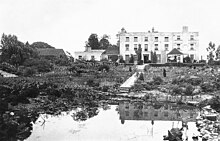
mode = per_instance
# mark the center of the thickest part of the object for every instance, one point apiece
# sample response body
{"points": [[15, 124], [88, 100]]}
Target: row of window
{"points": [[156, 39], [156, 47]]}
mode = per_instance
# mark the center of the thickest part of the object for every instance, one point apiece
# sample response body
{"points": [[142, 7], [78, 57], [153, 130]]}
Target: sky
{"points": [[67, 24]]}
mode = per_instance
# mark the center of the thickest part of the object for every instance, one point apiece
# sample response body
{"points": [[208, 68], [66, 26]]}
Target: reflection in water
{"points": [[155, 111], [83, 114]]}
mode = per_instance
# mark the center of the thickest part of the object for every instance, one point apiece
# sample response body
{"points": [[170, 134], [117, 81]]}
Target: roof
{"points": [[175, 52], [112, 51], [51, 52]]}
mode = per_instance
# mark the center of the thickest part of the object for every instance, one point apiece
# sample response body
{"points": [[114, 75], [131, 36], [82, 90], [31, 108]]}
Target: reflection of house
{"points": [[89, 54], [51, 52], [146, 111], [160, 42]]}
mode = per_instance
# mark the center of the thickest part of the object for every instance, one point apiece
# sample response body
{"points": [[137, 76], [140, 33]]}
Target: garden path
{"points": [[130, 81]]}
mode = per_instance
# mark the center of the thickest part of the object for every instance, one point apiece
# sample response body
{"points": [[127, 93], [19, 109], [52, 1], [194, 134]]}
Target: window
{"points": [[135, 47], [135, 39], [80, 57], [191, 46], [178, 37], [191, 37], [146, 47], [127, 39], [166, 46], [146, 39], [156, 113], [156, 39], [156, 47], [178, 46], [166, 39], [127, 47]]}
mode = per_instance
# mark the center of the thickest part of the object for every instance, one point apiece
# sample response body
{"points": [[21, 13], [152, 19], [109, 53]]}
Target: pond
{"points": [[133, 121]]}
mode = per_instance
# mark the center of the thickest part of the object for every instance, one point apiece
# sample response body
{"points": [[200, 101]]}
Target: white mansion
{"points": [[162, 43]]}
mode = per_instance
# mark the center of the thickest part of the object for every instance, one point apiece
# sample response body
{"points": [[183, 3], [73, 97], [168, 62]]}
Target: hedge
{"points": [[177, 65]]}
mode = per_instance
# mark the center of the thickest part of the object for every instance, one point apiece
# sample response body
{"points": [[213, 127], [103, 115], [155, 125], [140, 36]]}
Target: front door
{"points": [[146, 58]]}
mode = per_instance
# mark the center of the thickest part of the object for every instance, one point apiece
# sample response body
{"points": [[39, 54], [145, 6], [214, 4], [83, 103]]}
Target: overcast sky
{"points": [[67, 24]]}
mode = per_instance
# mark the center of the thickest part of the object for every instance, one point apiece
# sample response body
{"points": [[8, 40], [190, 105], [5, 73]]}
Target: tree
{"points": [[153, 57], [93, 42], [210, 49], [139, 54], [217, 53], [40, 45], [14, 51], [131, 59], [187, 59], [104, 43]]}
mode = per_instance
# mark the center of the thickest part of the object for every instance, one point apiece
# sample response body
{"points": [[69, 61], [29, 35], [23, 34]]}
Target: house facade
{"points": [[89, 54], [160, 42]]}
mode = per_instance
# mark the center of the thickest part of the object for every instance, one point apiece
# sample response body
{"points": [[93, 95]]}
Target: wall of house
{"points": [[88, 55], [161, 42]]}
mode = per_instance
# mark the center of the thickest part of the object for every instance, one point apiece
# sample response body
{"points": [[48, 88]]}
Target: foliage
{"points": [[187, 59], [104, 43], [40, 65], [217, 52], [157, 80], [29, 71], [189, 90], [92, 83], [141, 77], [8, 68], [104, 67], [131, 59], [121, 60], [207, 87], [14, 51], [40, 45], [139, 54], [147, 86], [93, 42], [176, 90], [137, 87], [153, 57], [210, 49]]}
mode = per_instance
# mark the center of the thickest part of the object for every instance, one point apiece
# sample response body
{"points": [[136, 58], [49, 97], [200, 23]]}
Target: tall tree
{"points": [[139, 54], [217, 53], [93, 42], [14, 51], [210, 49], [104, 42]]}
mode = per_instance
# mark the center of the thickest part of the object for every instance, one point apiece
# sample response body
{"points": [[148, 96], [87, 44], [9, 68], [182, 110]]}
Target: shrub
{"points": [[104, 67], [189, 90], [28, 71], [141, 77], [147, 86], [207, 87], [92, 83], [157, 80], [194, 81], [137, 87], [105, 88], [176, 90]]}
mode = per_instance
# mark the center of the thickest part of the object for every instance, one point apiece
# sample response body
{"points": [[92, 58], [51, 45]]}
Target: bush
{"points": [[147, 86], [189, 90], [207, 87], [92, 83], [176, 90], [29, 71], [141, 77], [104, 67], [137, 87], [194, 81], [157, 80]]}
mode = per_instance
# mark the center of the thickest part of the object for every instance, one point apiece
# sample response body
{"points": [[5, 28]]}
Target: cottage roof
{"points": [[51, 52], [175, 52], [112, 51]]}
